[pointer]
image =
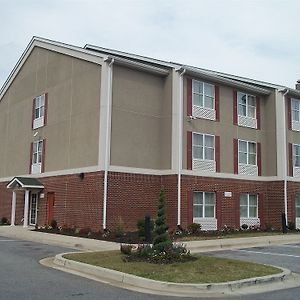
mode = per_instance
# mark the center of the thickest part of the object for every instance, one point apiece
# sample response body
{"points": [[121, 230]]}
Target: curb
{"points": [[161, 287]]}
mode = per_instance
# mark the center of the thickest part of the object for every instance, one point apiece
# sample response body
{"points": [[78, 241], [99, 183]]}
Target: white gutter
{"points": [[180, 119], [285, 163], [107, 141]]}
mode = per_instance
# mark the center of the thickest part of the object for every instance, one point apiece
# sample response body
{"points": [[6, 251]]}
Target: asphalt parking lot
{"points": [[286, 256]]}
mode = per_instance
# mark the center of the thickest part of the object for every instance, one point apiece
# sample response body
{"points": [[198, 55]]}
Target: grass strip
{"points": [[205, 269]]}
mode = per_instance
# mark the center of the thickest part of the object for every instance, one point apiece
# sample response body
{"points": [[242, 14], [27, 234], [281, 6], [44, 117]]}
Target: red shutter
{"points": [[237, 211], [33, 113], [261, 214], [217, 102], [30, 159], [189, 150], [189, 97], [43, 156], [219, 209], [235, 156], [258, 145], [290, 159], [235, 116], [258, 112], [289, 105], [46, 109], [217, 153], [190, 207]]}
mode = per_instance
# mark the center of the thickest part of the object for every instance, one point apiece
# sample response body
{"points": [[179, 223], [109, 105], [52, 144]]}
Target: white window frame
{"points": [[204, 205], [37, 157], [39, 111], [248, 206], [296, 169], [246, 120], [204, 164], [202, 111], [297, 205], [248, 152], [295, 123], [204, 135]]}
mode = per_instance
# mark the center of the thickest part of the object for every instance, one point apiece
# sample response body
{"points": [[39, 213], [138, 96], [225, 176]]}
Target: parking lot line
{"points": [[9, 241], [267, 253]]}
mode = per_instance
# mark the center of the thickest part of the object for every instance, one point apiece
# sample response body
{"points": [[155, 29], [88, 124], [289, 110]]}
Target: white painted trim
{"points": [[141, 171], [56, 173], [61, 48]]}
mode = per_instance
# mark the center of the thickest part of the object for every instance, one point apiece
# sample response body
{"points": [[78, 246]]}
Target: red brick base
{"points": [[79, 202]]}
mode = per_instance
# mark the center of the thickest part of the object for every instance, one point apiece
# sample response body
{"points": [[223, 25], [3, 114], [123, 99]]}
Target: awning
{"points": [[24, 183]]}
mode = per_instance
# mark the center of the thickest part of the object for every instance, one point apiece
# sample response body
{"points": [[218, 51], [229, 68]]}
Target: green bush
{"points": [[194, 228], [141, 228], [53, 224], [162, 239]]}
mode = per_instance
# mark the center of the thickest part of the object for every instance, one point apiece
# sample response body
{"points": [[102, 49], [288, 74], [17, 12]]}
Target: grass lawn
{"points": [[203, 270]]}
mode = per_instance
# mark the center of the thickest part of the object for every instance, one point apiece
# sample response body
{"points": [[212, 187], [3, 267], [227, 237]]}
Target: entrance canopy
{"points": [[24, 183]]}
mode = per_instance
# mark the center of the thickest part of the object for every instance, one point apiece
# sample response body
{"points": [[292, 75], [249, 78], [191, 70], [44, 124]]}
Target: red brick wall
{"points": [[79, 202]]}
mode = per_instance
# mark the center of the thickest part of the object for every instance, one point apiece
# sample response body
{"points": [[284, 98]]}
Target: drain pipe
{"points": [[107, 141], [286, 91], [180, 112]]}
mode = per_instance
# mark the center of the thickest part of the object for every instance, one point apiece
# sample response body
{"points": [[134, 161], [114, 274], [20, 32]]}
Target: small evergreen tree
{"points": [[162, 239]]}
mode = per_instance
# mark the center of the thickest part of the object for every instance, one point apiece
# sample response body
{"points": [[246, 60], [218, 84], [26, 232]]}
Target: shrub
{"points": [[53, 224], [84, 231], [119, 228], [162, 239], [4, 220], [269, 227], [244, 226], [126, 249], [141, 228], [291, 226], [194, 228]]}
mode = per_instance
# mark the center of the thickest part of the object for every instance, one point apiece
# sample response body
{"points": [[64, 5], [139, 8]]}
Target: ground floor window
{"points": [[248, 206], [33, 209], [204, 210], [297, 206], [204, 205]]}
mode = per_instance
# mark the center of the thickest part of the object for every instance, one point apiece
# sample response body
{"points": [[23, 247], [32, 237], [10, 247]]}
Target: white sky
{"points": [[259, 39]]}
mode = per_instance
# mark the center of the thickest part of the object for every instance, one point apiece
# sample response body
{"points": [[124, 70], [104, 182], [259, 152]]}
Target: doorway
{"points": [[50, 207], [33, 209]]}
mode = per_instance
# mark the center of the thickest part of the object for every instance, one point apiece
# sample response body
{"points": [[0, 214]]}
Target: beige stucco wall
{"points": [[227, 131], [72, 130], [141, 119]]}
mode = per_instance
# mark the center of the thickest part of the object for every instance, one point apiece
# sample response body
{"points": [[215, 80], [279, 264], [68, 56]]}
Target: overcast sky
{"points": [[258, 39]]}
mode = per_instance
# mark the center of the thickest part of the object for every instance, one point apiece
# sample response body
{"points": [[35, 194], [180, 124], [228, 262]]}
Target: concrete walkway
{"points": [[18, 232]]}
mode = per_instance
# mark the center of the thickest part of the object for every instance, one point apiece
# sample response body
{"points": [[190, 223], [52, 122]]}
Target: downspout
{"points": [[107, 141], [285, 164], [180, 118]]}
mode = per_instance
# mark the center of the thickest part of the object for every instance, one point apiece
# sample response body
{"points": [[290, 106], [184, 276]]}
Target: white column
{"points": [[13, 209], [26, 209]]}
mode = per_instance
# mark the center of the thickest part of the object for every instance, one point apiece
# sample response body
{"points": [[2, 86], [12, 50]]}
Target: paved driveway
{"points": [[286, 256], [22, 277]]}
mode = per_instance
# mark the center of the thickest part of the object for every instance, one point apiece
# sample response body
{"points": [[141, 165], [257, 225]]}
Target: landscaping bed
{"points": [[203, 269]]}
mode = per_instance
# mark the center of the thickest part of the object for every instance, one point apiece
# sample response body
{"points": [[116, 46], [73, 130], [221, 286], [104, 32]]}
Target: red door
{"points": [[51, 200]]}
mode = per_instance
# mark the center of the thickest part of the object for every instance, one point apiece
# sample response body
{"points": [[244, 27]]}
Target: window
{"points": [[204, 205], [296, 155], [295, 110], [203, 146], [37, 152], [297, 206], [247, 152], [203, 94], [246, 105], [248, 206], [39, 107]]}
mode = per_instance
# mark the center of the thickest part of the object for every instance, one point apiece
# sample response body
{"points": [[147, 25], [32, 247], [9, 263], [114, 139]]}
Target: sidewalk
{"points": [[84, 244]]}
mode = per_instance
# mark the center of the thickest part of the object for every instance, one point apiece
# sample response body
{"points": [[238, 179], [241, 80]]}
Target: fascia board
{"points": [[225, 81]]}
